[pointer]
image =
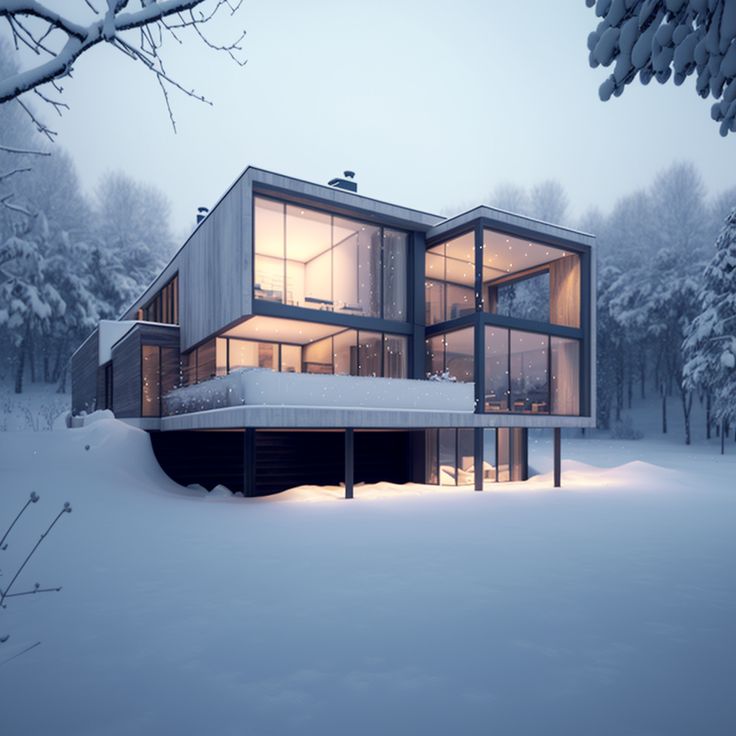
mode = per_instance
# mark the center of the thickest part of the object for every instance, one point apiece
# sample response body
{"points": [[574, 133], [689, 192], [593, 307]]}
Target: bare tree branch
{"points": [[155, 19], [23, 151], [5, 202], [10, 173]]}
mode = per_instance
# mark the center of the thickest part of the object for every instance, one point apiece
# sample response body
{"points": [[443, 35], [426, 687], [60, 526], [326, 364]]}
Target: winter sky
{"points": [[432, 103]]}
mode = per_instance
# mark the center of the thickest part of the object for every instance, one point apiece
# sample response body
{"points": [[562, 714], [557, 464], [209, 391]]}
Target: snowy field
{"points": [[606, 607]]}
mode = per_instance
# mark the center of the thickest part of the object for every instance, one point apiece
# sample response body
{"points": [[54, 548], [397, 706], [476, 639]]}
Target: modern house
{"points": [[307, 334]]}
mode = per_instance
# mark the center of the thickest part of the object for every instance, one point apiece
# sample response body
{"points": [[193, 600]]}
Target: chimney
{"points": [[347, 183], [202, 212]]}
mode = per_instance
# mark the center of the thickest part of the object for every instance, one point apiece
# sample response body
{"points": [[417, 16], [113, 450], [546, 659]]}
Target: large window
{"points": [[349, 353], [308, 258], [450, 279], [450, 460], [531, 373], [160, 373], [452, 353], [529, 280], [449, 457], [529, 379], [520, 279]]}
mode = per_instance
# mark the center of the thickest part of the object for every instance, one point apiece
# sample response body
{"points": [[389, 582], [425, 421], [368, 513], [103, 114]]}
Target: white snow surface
{"points": [[604, 607]]}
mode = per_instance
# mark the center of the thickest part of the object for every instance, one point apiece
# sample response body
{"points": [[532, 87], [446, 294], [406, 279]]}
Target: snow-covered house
{"points": [[307, 334]]}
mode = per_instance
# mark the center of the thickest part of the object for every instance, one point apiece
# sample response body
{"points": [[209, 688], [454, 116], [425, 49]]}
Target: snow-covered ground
{"points": [[606, 607], [38, 408]]}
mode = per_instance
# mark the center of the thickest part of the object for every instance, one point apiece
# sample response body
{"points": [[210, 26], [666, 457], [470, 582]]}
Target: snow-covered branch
{"points": [[655, 39], [59, 40]]}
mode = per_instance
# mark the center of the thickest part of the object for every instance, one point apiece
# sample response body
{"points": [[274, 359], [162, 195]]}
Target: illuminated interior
{"points": [[294, 346], [308, 258], [521, 279]]}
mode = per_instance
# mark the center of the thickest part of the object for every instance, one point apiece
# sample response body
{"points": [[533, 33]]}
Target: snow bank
{"points": [[435, 615]]}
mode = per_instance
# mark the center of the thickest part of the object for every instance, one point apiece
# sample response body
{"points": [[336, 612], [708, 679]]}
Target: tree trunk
{"points": [[31, 361], [630, 386], [664, 410], [61, 385], [723, 440], [643, 375], [687, 404], [707, 416], [20, 366], [46, 368]]}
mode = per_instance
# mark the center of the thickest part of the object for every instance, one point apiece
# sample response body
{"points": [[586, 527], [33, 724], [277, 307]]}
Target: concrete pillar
{"points": [[558, 451], [349, 463]]}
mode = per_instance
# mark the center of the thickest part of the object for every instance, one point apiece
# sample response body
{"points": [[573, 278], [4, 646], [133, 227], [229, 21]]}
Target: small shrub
{"points": [[625, 430]]}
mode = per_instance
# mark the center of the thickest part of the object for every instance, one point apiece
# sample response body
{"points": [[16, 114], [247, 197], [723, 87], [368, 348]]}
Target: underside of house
{"points": [[305, 334]]}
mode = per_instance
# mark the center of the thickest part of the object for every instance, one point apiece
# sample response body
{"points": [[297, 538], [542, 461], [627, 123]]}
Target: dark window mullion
{"points": [[508, 372]]}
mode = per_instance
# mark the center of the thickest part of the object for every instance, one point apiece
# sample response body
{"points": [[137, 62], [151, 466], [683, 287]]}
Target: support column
{"points": [[478, 457], [349, 463], [249, 461], [558, 448]]}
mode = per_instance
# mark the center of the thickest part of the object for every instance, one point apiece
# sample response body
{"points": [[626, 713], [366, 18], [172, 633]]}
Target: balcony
{"points": [[264, 388]]}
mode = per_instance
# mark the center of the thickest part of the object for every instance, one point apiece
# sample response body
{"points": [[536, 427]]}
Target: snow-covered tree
{"points": [[548, 201], [710, 343], [656, 38], [132, 222], [510, 197], [27, 300]]}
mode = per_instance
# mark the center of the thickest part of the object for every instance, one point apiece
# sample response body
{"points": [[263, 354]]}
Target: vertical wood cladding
{"points": [[213, 267], [84, 375]]}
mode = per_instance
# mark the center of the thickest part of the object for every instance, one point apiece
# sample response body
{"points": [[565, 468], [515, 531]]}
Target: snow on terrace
{"points": [[261, 386], [528, 611]]}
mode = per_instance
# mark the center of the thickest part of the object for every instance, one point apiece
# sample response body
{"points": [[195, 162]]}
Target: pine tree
{"points": [[710, 344], [27, 300]]}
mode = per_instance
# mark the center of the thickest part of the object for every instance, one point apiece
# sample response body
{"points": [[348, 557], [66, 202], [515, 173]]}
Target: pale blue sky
{"points": [[432, 103]]}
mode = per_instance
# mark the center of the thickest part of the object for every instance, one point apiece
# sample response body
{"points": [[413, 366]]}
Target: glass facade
{"points": [[448, 457], [160, 373], [450, 279], [520, 279], [349, 353], [529, 280], [531, 373], [451, 352], [308, 258], [529, 377]]}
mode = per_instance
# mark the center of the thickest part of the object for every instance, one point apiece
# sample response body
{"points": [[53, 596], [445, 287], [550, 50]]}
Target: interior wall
{"points": [[564, 287]]}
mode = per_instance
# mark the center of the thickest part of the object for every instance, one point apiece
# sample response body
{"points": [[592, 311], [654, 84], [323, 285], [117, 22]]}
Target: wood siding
{"points": [[126, 376], [126, 365], [213, 272], [84, 375]]}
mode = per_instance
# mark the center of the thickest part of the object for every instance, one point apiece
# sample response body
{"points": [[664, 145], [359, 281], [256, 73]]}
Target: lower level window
{"points": [[450, 458]]}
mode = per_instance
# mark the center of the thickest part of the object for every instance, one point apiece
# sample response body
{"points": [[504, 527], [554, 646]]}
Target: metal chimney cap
{"points": [[349, 174]]}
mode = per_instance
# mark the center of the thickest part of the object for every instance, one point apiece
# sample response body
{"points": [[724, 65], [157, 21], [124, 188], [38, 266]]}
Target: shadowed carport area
{"points": [[285, 459]]}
